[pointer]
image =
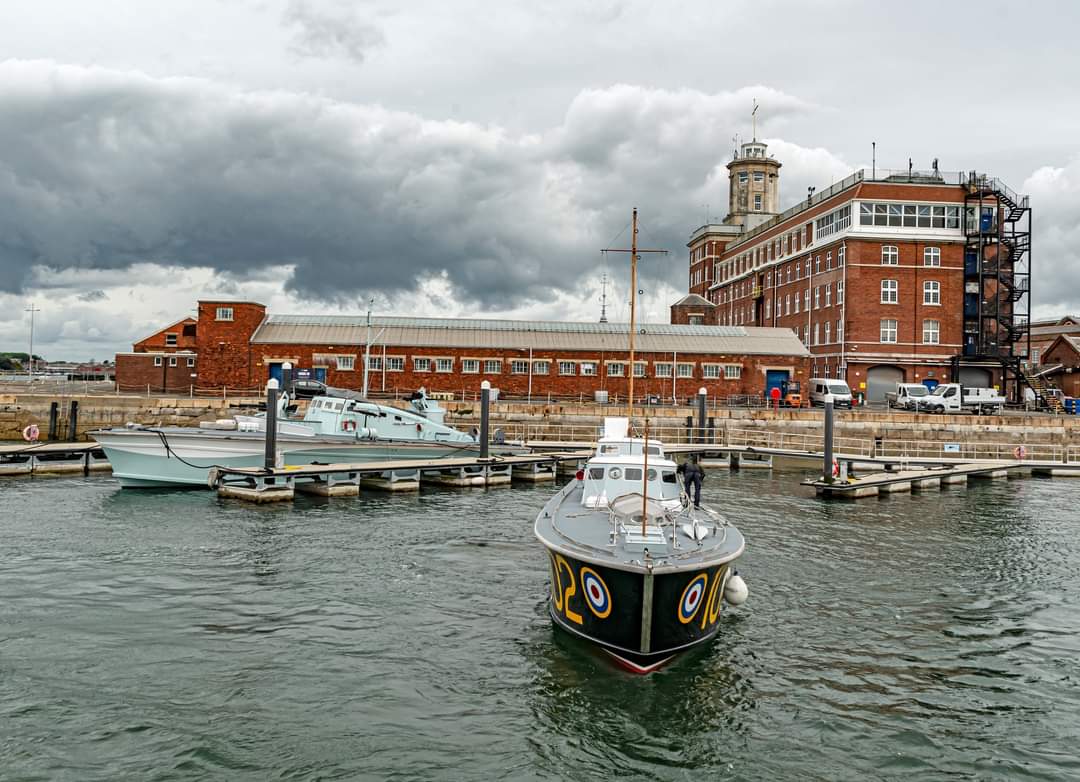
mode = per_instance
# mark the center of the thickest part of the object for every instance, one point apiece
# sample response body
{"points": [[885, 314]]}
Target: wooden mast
{"points": [[633, 302]]}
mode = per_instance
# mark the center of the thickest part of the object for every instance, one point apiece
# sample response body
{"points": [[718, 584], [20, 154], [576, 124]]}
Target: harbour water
{"points": [[173, 635]]}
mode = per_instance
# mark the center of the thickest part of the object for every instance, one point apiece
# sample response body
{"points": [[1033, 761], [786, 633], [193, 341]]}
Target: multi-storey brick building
{"points": [[240, 346], [879, 275]]}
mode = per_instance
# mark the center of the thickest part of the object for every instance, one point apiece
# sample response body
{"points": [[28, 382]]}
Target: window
{"points": [[470, 366], [492, 366], [191, 362], [833, 222], [519, 367], [890, 256], [662, 369], [710, 371], [375, 363], [828, 328], [839, 330], [170, 340], [768, 308], [759, 176], [744, 177], [567, 368], [931, 332], [931, 292], [395, 363], [639, 368], [816, 342], [817, 297], [444, 365], [840, 255], [223, 313], [685, 370], [890, 292], [931, 256], [806, 300], [909, 215], [732, 371], [172, 361], [828, 295], [828, 260], [421, 365], [839, 291], [616, 369], [346, 363], [541, 367], [757, 202], [787, 304], [888, 330], [158, 361], [588, 368], [817, 265], [796, 304]]}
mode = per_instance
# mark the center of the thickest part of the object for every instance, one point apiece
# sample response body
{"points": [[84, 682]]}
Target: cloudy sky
{"points": [[472, 158]]}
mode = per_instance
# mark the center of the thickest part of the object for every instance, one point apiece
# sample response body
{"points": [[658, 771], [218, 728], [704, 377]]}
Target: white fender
{"points": [[736, 591]]}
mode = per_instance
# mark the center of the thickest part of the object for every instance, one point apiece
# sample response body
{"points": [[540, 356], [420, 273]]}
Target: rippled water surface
{"points": [[171, 635]]}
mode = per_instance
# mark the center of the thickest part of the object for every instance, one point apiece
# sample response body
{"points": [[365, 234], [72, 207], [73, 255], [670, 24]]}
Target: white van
{"points": [[824, 389]]}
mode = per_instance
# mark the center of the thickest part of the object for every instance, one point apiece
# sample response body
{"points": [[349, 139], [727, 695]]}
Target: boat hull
{"points": [[640, 619], [143, 459]]}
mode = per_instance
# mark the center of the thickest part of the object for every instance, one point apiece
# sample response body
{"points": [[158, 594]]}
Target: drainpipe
{"points": [[843, 315]]}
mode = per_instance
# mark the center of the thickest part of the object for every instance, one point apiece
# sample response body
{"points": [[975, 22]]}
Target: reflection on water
{"points": [[149, 634]]}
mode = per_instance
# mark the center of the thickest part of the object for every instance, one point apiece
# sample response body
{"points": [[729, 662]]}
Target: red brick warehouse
{"points": [[240, 346]]}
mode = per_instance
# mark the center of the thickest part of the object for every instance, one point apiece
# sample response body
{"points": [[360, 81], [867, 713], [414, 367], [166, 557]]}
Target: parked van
{"points": [[824, 389]]}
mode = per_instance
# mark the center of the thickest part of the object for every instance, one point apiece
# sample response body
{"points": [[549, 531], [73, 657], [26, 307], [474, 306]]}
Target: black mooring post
{"points": [[827, 468], [485, 404], [73, 420], [701, 397], [286, 379], [271, 424], [54, 420]]}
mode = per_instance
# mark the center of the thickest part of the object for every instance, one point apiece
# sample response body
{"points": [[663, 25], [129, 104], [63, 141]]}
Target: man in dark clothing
{"points": [[693, 475]]}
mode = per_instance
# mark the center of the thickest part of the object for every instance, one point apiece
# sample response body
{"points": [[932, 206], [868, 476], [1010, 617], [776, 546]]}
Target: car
{"points": [[308, 389]]}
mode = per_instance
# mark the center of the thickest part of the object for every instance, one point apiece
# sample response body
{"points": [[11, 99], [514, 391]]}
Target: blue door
{"points": [[320, 374], [930, 383], [275, 371], [774, 378]]}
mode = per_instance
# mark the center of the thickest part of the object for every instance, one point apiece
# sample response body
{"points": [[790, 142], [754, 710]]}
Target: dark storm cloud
{"points": [[335, 31], [102, 169]]}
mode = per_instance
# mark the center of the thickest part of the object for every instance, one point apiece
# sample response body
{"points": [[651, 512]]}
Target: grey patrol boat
{"points": [[635, 568]]}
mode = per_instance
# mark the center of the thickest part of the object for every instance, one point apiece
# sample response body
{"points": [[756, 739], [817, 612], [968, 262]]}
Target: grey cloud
{"points": [[100, 170], [322, 30], [95, 295], [1055, 200]]}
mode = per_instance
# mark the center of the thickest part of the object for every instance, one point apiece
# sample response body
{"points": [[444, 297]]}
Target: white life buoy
{"points": [[31, 433], [1020, 452]]}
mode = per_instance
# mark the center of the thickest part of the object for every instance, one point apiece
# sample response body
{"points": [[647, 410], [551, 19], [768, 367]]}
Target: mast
{"points": [[633, 302], [633, 299]]}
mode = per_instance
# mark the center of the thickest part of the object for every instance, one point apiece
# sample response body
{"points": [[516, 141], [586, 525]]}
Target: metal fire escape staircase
{"points": [[997, 284]]}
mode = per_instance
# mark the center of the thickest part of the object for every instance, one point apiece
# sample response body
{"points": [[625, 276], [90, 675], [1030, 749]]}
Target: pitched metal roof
{"points": [[693, 298], [538, 335]]}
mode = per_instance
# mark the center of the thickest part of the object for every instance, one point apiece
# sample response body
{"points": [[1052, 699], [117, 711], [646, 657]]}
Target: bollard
{"points": [[827, 468], [485, 403], [270, 461], [54, 420], [701, 397], [286, 379], [73, 420]]}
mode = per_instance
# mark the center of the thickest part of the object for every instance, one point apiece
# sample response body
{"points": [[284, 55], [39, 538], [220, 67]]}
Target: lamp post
{"points": [[30, 362]]}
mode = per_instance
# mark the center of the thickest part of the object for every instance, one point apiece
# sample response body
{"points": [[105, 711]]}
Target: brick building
{"points": [[1045, 332], [886, 276], [174, 337], [240, 346]]}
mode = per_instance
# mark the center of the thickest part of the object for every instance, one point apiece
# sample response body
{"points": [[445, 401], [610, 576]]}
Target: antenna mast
{"points": [[603, 297], [30, 363], [753, 118]]}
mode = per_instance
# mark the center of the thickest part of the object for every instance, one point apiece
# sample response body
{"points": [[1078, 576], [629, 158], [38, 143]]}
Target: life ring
{"points": [[835, 468], [31, 433], [1020, 452]]}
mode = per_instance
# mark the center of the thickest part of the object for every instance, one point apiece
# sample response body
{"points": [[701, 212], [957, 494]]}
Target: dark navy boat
{"points": [[635, 568]]}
